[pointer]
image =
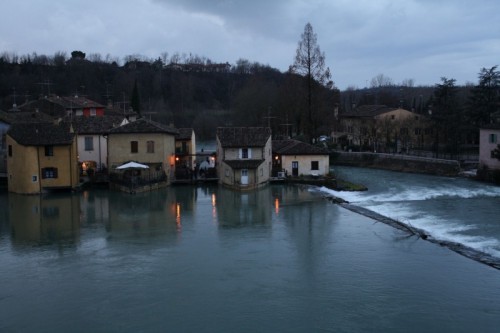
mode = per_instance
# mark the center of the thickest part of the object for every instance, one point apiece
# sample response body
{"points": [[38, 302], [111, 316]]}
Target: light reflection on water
{"points": [[212, 260]]}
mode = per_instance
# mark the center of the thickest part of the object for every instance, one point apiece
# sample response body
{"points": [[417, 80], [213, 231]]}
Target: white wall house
{"points": [[244, 156], [489, 139]]}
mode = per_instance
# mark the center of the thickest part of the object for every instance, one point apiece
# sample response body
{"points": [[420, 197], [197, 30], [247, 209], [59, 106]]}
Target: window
{"points": [[393, 117], [49, 173], [34, 179], [10, 150], [314, 165], [245, 153], [50, 212], [49, 150], [93, 112], [150, 146], [418, 131], [493, 138], [134, 147], [89, 143]]}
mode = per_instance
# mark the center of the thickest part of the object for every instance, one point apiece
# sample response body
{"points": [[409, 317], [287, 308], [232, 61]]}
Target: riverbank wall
{"points": [[396, 162]]}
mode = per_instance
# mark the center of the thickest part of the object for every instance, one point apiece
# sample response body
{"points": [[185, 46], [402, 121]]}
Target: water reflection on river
{"points": [[208, 259]]}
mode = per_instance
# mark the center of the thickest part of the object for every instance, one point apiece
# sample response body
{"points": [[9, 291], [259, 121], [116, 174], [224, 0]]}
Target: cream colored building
{"points": [[41, 157], [295, 158], [244, 156], [146, 142], [379, 128]]}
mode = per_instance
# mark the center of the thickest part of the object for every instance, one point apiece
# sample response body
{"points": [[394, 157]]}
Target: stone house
{"points": [[41, 157], [296, 158], [9, 118], [378, 128], [244, 156], [61, 106], [146, 142], [92, 139]]}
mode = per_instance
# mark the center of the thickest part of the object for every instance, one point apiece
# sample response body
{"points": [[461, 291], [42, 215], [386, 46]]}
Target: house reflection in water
{"points": [[150, 214], [239, 209], [45, 220]]}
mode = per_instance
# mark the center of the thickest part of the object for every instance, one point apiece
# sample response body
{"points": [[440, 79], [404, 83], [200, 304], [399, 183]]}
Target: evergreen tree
{"points": [[135, 102], [485, 97]]}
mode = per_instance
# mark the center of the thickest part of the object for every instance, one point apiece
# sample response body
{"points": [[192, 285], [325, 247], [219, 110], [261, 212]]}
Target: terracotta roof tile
{"points": [[144, 126], [41, 134], [294, 147], [243, 136]]}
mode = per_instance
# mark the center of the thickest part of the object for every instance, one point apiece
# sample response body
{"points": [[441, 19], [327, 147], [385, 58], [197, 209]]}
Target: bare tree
{"points": [[310, 63], [380, 81]]}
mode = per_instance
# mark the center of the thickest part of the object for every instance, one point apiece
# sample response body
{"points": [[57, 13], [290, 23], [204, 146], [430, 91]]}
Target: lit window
{"points": [[49, 173]]}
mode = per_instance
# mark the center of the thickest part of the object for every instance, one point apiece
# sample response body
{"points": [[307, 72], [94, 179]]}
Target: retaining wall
{"points": [[397, 162]]}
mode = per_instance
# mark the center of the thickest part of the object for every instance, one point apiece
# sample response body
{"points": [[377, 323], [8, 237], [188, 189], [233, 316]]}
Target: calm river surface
{"points": [[280, 259]]}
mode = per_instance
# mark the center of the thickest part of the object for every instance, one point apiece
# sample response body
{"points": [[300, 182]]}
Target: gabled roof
{"points": [[233, 137], [24, 117], [74, 102], [41, 134], [368, 111], [184, 134], [494, 126], [144, 126], [94, 125], [294, 147]]}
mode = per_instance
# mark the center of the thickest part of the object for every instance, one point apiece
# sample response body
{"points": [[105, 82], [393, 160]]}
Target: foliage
{"points": [[447, 115], [186, 90], [485, 97]]}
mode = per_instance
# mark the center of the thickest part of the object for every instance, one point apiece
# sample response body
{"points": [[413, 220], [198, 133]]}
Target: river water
{"points": [[280, 259]]}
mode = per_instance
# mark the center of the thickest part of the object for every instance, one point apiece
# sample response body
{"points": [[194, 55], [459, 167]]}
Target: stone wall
{"points": [[397, 162]]}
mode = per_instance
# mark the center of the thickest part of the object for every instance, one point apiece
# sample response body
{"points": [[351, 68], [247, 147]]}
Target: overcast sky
{"points": [[422, 40]]}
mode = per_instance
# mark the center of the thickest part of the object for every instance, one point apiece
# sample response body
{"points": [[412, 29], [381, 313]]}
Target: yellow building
{"points": [[380, 128], [41, 157], [146, 142]]}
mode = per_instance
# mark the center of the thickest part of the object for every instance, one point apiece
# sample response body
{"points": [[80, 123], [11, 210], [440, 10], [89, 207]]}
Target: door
{"points": [[295, 168], [244, 176]]}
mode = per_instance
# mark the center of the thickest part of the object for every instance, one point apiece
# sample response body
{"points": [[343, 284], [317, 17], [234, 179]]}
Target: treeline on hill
{"points": [[192, 91], [186, 91]]}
